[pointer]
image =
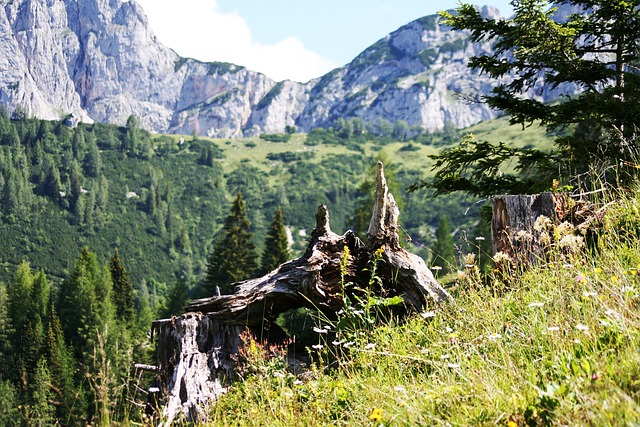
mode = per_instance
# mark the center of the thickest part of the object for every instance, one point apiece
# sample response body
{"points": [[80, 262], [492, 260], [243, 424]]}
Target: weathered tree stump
{"points": [[195, 350], [513, 219]]}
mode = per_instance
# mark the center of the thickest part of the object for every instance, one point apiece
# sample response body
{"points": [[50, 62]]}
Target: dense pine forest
{"points": [[162, 200]]}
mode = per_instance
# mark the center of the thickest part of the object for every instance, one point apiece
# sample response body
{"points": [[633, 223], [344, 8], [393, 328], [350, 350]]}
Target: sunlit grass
{"points": [[558, 344], [253, 150]]}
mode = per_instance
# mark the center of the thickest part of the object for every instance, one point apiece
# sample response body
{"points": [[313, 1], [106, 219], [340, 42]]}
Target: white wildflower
{"points": [[428, 314], [523, 236], [501, 258], [564, 229], [545, 238], [542, 223], [582, 327], [571, 242]]}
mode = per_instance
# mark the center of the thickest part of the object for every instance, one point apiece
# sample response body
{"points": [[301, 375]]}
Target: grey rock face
{"points": [[99, 60]]}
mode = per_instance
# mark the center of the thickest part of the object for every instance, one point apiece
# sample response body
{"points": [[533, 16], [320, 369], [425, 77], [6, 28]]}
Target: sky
{"points": [[285, 39]]}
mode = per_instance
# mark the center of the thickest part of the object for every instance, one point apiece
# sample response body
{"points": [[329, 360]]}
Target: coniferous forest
{"points": [[105, 228]]}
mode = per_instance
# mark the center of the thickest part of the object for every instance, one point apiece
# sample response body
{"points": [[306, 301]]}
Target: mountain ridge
{"points": [[100, 60]]}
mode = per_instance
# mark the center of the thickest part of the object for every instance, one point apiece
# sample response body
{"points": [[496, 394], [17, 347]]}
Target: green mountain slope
{"points": [[162, 199]]}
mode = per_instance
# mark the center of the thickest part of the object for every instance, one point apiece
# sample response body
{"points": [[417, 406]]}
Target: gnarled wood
{"points": [[195, 350]]}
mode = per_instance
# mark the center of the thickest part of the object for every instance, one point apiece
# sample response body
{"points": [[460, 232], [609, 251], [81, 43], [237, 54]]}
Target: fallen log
{"points": [[195, 351]]}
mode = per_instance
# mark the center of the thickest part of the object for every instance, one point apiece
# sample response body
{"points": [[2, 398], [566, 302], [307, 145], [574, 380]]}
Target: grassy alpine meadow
{"points": [[553, 344]]}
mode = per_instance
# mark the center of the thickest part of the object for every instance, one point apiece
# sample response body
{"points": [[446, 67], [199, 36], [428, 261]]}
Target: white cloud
{"points": [[197, 29]]}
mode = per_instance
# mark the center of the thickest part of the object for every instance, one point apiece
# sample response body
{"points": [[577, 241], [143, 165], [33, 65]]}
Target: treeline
{"points": [[162, 200]]}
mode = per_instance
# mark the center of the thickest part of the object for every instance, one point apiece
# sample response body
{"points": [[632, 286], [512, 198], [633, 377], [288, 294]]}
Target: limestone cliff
{"points": [[100, 60]]}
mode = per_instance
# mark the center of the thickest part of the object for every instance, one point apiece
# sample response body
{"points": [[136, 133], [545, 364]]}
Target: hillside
{"points": [[553, 344], [162, 199]]}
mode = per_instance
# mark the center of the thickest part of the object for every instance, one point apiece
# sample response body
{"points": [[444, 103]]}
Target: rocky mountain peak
{"points": [[100, 60]]}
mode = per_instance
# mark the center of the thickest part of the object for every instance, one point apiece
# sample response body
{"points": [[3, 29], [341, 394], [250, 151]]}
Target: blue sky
{"points": [[285, 39]]}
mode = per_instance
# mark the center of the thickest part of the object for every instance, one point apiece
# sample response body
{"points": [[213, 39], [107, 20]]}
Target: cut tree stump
{"points": [[513, 218], [195, 351]]}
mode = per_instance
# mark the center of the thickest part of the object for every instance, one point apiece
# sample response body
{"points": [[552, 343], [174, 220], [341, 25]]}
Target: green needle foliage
{"points": [[276, 247], [123, 297], [443, 249], [234, 256], [591, 57]]}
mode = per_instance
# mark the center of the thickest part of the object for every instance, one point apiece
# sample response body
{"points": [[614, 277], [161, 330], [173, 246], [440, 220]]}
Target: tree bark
{"points": [[195, 351], [513, 219]]}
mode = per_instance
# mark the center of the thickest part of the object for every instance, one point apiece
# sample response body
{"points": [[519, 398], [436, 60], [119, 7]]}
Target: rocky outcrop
{"points": [[100, 60]]}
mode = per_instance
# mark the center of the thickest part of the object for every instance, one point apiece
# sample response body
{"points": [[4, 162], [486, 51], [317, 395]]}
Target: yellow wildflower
{"points": [[376, 415], [512, 424], [614, 278]]}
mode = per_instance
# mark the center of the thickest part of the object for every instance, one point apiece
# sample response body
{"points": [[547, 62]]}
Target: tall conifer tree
{"points": [[594, 50], [123, 296], [276, 248], [443, 250], [234, 256], [5, 332], [61, 366]]}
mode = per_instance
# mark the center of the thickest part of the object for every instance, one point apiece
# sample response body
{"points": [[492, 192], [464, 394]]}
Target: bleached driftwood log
{"points": [[195, 350]]}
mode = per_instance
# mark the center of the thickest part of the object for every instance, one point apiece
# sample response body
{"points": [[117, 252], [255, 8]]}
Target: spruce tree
{"points": [[443, 249], [51, 185], [92, 162], [42, 412], [234, 255], [62, 367], [78, 144], [276, 245], [594, 50], [9, 415], [123, 296], [177, 299], [5, 333], [77, 303]]}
